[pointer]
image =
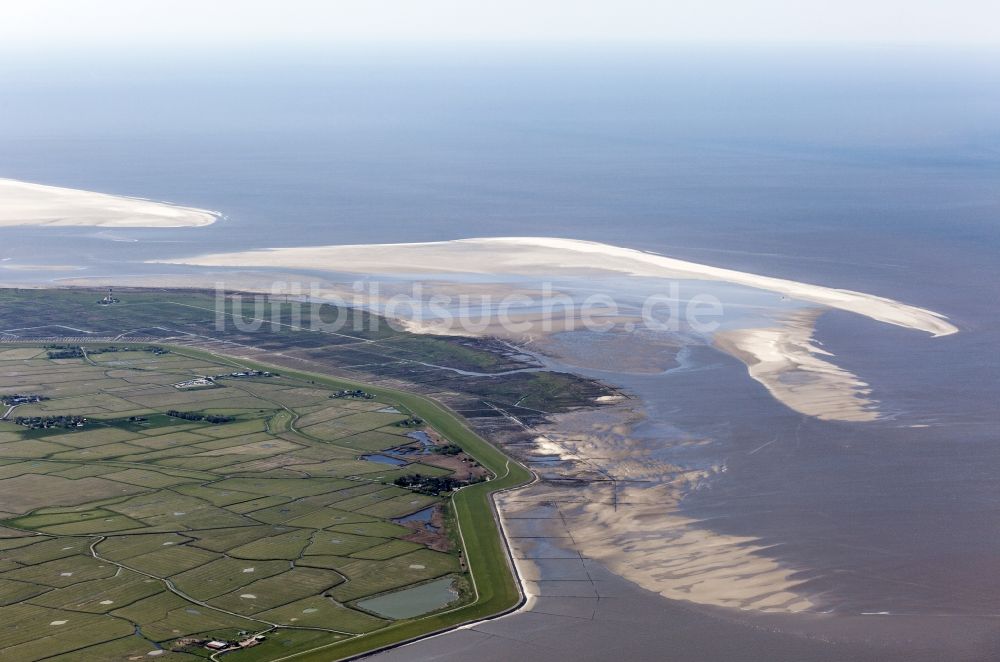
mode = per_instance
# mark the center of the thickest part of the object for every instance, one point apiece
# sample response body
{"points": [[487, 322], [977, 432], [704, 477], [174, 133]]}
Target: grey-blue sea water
{"points": [[869, 169]]}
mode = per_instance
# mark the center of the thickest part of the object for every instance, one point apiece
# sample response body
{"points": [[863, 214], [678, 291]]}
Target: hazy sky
{"points": [[50, 24]]}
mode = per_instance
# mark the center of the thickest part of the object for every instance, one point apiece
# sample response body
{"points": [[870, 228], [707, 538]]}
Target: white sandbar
{"points": [[23, 203], [553, 257]]}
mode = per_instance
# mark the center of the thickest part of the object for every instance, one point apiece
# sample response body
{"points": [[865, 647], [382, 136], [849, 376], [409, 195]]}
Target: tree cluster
{"points": [[192, 416], [46, 422], [430, 485]]}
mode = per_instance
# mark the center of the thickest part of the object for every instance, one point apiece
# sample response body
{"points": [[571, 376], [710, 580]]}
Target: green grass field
{"points": [[143, 530]]}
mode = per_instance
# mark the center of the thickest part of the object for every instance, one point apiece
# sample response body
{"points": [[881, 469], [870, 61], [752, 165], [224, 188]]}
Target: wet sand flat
{"points": [[594, 614]]}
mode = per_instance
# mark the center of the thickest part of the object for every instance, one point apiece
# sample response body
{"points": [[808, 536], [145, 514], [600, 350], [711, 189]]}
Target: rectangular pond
{"points": [[414, 601], [385, 459]]}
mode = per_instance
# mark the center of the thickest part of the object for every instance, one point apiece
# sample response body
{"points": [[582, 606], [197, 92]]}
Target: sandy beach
{"points": [[25, 203]]}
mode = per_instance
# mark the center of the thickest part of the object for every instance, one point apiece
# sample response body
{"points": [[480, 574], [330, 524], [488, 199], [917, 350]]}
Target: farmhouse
{"points": [[198, 382], [357, 393], [246, 373], [19, 399]]}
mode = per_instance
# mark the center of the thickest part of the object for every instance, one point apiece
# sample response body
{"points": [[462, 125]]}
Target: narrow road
{"points": [[170, 586]]}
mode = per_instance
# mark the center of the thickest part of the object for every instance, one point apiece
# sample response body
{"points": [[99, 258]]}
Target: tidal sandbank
{"points": [[24, 203], [552, 257]]}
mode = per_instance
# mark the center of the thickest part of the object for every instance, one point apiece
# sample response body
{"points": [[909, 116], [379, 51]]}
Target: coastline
{"points": [[763, 583]]}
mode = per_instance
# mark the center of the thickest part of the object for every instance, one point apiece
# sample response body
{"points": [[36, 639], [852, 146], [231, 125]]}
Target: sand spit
{"points": [[23, 203], [786, 360], [553, 257]]}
